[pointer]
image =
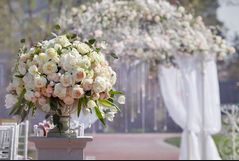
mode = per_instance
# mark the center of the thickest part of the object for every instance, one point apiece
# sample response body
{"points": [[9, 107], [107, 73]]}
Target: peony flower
{"points": [[78, 92], [40, 82], [60, 90], [121, 100], [33, 70], [66, 80], [50, 68], [68, 100], [79, 74], [10, 101], [87, 84], [99, 85], [91, 104], [54, 77]]}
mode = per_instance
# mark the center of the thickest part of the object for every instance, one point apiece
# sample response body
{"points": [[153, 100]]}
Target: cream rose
{"points": [[82, 47], [79, 74], [99, 85], [60, 90], [91, 104], [49, 68], [87, 84], [66, 80], [78, 92], [40, 82], [30, 96], [33, 70]]}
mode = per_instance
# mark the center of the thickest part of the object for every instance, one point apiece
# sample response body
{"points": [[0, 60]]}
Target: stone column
{"points": [[60, 148]]}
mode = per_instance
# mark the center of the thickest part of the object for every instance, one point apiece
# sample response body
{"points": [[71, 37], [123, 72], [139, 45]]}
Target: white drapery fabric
{"points": [[191, 95]]}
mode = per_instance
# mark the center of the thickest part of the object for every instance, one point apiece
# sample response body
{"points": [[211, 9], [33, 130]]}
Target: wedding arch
{"points": [[181, 47]]}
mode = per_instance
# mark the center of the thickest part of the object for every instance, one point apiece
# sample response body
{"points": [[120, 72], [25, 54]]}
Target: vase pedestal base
{"points": [[60, 148]]}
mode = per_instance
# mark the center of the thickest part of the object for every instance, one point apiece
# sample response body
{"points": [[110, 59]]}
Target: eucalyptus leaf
{"points": [[114, 56]]}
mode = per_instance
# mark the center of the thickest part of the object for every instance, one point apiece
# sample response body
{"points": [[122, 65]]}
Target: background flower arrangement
{"points": [[152, 30], [63, 76]]}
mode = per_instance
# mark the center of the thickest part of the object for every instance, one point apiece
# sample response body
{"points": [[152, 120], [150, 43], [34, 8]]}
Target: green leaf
{"points": [[71, 36], [19, 105], [57, 27], [107, 103], [92, 41], [23, 41], [114, 56], [112, 92], [98, 50], [79, 107], [47, 116], [19, 76], [54, 104], [99, 115]]}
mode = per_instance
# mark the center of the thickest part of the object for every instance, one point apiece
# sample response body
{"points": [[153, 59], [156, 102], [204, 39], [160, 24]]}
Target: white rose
{"points": [[82, 47], [68, 100], [87, 84], [85, 62], [22, 68], [57, 47], [78, 92], [10, 101], [66, 80], [91, 104], [121, 100], [33, 70], [53, 55], [50, 68], [60, 90], [40, 82], [63, 41], [96, 57], [70, 60], [79, 74], [54, 77], [43, 57], [110, 116], [113, 78], [30, 96], [28, 81], [99, 85]]}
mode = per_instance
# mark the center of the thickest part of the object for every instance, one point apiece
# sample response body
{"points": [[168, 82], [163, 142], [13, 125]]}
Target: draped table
{"points": [[60, 148]]}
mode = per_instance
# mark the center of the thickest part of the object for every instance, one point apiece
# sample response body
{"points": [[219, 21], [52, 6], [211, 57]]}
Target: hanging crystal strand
{"points": [[127, 100], [134, 79], [143, 102], [139, 83]]}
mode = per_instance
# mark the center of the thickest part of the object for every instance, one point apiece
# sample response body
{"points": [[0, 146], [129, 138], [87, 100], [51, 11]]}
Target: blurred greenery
{"points": [[219, 139]]}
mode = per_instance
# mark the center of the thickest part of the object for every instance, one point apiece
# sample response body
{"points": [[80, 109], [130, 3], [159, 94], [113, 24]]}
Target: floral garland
{"points": [[59, 73], [147, 29]]}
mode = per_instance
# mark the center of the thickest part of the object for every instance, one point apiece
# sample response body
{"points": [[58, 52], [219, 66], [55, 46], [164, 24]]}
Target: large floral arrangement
{"points": [[61, 76], [147, 29]]}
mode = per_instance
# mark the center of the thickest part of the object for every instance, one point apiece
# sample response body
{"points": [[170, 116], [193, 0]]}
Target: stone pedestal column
{"points": [[60, 148]]}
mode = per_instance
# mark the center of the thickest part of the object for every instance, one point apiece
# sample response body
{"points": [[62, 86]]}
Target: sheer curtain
{"points": [[184, 92]]}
